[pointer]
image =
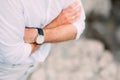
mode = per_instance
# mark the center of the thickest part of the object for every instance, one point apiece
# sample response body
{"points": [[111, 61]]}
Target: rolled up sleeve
{"points": [[80, 24]]}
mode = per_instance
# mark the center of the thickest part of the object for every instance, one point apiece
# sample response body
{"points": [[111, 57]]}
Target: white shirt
{"points": [[15, 15]]}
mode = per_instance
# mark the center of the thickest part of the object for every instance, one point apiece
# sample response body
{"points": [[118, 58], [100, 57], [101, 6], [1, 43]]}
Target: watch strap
{"points": [[40, 31]]}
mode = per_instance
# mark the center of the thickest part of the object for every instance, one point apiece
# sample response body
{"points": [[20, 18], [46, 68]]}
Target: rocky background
{"points": [[103, 22], [96, 56]]}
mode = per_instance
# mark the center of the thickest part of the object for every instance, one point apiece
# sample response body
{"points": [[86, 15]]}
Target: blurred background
{"points": [[96, 55]]}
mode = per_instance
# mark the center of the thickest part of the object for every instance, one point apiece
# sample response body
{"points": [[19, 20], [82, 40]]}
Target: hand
{"points": [[30, 35], [70, 14]]}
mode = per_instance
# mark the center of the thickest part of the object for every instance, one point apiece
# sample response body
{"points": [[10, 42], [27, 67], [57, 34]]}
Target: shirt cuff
{"points": [[80, 28]]}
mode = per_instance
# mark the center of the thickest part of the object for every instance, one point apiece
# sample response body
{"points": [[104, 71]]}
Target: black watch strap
{"points": [[40, 31]]}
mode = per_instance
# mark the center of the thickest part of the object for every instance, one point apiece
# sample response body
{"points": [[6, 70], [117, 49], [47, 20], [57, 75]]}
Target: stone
{"points": [[88, 61], [95, 7], [117, 35]]}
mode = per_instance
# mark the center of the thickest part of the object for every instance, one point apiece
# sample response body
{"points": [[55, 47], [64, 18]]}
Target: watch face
{"points": [[40, 39]]}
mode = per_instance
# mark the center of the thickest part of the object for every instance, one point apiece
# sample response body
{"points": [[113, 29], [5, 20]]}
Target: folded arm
{"points": [[12, 46], [67, 26]]}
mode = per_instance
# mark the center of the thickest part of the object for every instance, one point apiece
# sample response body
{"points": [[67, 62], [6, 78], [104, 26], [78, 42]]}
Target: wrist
{"points": [[45, 34], [40, 36], [48, 35]]}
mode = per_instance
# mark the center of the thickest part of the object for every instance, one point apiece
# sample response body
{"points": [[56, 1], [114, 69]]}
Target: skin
{"points": [[59, 30]]}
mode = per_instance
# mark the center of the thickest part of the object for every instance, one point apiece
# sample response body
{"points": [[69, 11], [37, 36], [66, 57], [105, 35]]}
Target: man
{"points": [[44, 22]]}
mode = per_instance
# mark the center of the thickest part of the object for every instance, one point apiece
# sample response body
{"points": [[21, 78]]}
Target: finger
{"points": [[75, 18], [75, 12], [72, 6]]}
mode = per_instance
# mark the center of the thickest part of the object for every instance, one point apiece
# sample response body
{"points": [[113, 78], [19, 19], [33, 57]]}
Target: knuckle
{"points": [[68, 20], [63, 11], [65, 15]]}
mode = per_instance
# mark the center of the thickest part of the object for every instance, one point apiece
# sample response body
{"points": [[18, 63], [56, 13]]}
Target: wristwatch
{"points": [[40, 37]]}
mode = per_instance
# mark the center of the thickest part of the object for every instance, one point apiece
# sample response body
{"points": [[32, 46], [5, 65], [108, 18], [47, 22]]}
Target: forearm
{"points": [[60, 33], [52, 24], [56, 34]]}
